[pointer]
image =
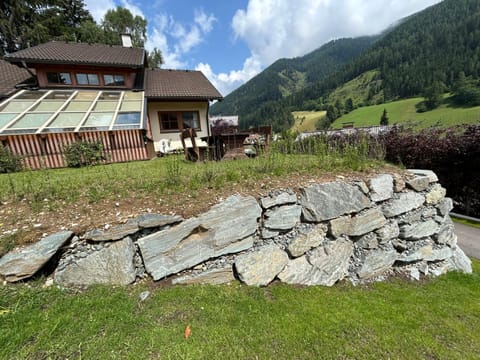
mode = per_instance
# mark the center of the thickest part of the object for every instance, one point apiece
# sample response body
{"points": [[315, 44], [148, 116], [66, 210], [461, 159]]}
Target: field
{"points": [[306, 120], [432, 319], [403, 112]]}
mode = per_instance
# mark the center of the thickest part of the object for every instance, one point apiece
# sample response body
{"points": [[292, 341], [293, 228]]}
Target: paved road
{"points": [[468, 239]]}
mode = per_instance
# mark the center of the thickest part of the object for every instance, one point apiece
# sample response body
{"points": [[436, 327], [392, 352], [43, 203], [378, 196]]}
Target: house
{"points": [[92, 92]]}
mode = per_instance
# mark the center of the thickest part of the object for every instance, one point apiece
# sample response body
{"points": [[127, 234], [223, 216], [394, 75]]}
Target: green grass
{"points": [[403, 112], [435, 319], [306, 120], [358, 89], [466, 222]]}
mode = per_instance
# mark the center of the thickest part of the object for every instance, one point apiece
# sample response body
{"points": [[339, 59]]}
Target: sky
{"points": [[231, 41]]}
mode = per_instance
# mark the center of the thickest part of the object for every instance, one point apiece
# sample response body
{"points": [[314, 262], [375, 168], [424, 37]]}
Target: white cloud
{"points": [[283, 28], [98, 8], [134, 8], [227, 82]]}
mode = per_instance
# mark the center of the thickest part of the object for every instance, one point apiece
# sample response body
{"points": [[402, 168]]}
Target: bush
{"points": [[83, 153], [9, 162]]}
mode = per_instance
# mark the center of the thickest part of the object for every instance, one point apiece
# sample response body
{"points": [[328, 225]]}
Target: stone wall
{"points": [[326, 233]]}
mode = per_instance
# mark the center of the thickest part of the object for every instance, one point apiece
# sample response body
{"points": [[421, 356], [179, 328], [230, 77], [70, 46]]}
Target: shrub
{"points": [[9, 162], [83, 153]]}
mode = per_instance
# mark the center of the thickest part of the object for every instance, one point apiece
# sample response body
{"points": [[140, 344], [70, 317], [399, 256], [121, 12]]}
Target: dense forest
{"points": [[431, 52], [25, 23]]}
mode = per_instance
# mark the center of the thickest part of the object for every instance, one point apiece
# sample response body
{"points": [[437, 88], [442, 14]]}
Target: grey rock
{"points": [[283, 217], [362, 186], [146, 221], [219, 276], [400, 245], [114, 233], [419, 183], [432, 177], [278, 198], [435, 195], [446, 235], [113, 265], [325, 265], [441, 268], [268, 234], [444, 206], [388, 232], [398, 183], [381, 187], [402, 204], [460, 261], [368, 241], [419, 230], [422, 253], [440, 254], [358, 225], [259, 268], [304, 242], [144, 295], [327, 201], [376, 262], [24, 262], [226, 228], [414, 273]]}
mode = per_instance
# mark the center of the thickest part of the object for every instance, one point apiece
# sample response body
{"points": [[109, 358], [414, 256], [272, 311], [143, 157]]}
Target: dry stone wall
{"points": [[329, 232]]}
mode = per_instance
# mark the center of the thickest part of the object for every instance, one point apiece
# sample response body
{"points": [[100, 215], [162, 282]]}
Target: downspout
{"points": [[208, 119]]}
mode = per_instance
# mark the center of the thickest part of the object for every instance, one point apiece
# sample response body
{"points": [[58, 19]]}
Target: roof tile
{"points": [[11, 75]]}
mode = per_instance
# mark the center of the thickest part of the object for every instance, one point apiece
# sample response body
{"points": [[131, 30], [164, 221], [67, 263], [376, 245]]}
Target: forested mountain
{"points": [[432, 49], [285, 77]]}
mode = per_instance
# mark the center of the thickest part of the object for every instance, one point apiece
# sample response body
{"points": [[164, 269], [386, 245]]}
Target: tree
{"points": [[434, 95], [348, 105], [121, 21], [154, 58], [384, 118]]}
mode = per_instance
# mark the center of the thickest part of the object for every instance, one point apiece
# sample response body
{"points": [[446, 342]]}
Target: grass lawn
{"points": [[306, 120], [434, 319], [404, 112]]}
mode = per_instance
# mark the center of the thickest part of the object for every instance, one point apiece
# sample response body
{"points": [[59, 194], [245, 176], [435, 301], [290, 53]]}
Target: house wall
{"points": [[42, 70], [153, 107]]}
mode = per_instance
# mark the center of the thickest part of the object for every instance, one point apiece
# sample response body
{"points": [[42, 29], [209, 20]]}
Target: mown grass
{"points": [[403, 112], [50, 188], [306, 120], [434, 319], [466, 222]]}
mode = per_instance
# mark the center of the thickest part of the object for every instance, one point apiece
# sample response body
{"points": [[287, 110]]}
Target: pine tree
{"points": [[384, 118]]}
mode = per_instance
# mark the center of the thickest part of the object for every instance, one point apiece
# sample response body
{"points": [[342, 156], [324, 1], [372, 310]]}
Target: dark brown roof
{"points": [[60, 52], [179, 85], [11, 75]]}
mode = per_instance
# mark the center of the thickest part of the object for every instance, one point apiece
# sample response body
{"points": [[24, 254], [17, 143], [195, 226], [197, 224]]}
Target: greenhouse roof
{"points": [[54, 111]]}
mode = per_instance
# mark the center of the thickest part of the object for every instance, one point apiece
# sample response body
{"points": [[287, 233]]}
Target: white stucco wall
{"points": [[174, 137]]}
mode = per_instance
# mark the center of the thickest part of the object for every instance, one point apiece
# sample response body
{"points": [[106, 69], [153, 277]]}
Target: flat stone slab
{"points": [[146, 221], [282, 217], [419, 230], [114, 233], [226, 228], [113, 265], [22, 263], [304, 242], [376, 262], [432, 177], [277, 198], [259, 268], [219, 276], [358, 225], [381, 187], [327, 201], [404, 203]]}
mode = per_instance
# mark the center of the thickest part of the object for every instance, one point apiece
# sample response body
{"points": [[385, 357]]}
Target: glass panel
{"points": [[78, 106], [108, 80], [93, 79], [99, 119], [17, 106], [30, 95], [133, 95], [48, 106], [105, 106], [131, 106], [59, 78], [82, 79], [57, 130], [168, 121], [31, 121], [59, 95], [94, 128], [190, 120], [67, 119], [65, 78], [106, 95], [6, 118], [128, 118], [86, 95]]}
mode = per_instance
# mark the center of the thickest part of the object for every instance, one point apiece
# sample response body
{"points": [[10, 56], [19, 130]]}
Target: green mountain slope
{"points": [[433, 46], [286, 77]]}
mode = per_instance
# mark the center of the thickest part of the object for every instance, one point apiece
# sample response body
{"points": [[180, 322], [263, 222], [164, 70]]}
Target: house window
{"points": [[87, 79], [113, 80], [178, 120], [59, 78]]}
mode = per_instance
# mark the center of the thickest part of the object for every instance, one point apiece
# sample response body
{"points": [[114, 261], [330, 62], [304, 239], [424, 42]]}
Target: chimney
{"points": [[127, 40]]}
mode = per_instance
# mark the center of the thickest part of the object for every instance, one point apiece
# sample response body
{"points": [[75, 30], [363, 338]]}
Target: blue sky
{"points": [[231, 41]]}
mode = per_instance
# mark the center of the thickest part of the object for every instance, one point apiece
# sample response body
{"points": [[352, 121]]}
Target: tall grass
{"points": [[321, 154]]}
